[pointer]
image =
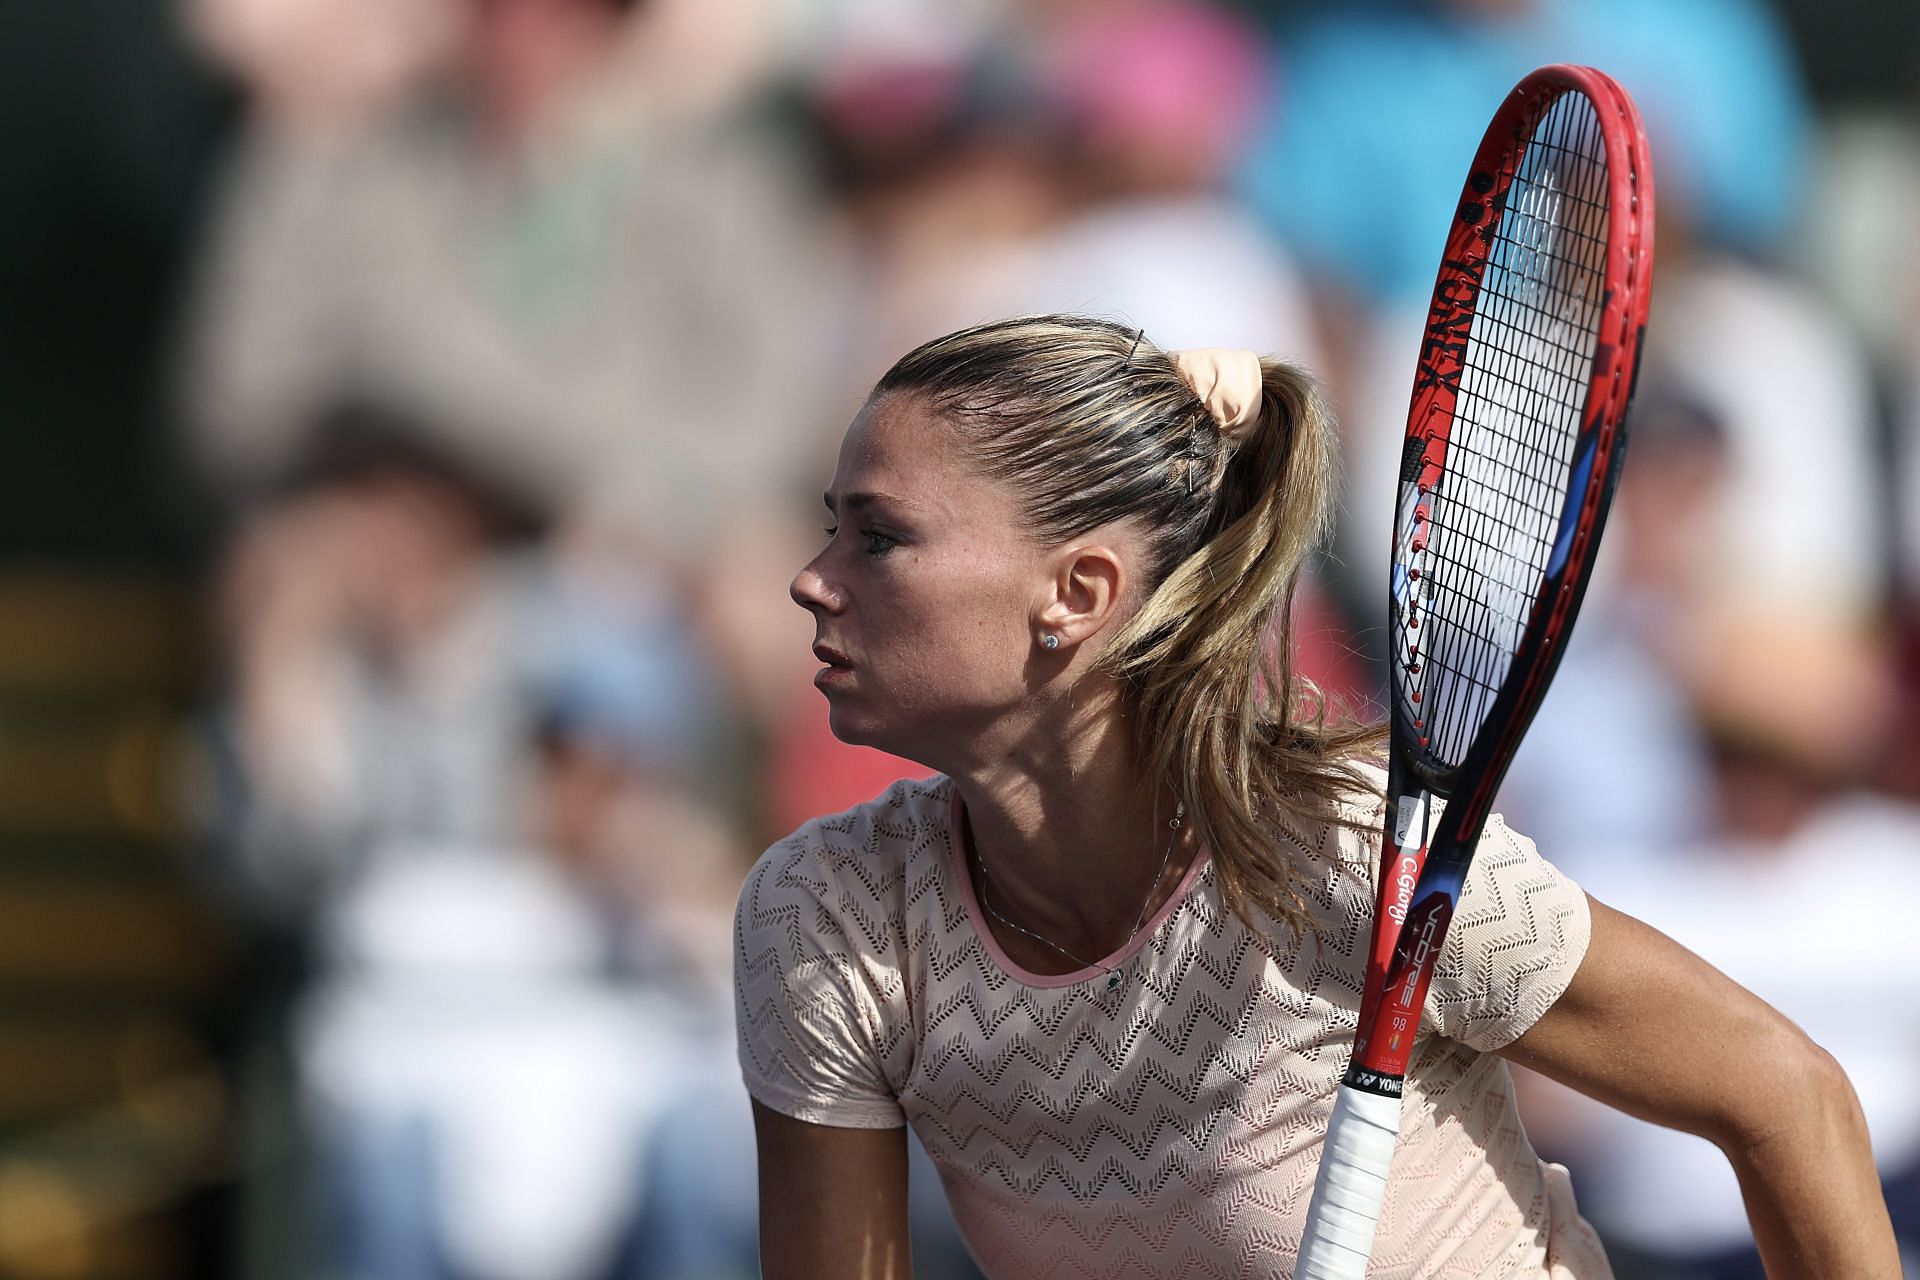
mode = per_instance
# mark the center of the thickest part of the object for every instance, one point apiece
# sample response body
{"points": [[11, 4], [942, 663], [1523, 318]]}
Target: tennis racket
{"points": [[1514, 442]]}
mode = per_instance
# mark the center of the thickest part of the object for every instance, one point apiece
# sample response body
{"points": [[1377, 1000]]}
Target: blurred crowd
{"points": [[513, 363]]}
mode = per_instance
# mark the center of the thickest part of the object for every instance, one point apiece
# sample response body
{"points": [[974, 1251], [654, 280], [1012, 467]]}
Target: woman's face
{"points": [[926, 597]]}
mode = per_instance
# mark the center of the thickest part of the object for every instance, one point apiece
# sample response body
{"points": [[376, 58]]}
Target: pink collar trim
{"points": [[957, 865]]}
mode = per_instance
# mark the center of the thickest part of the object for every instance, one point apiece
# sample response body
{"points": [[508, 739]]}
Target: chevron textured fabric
{"points": [[1170, 1128]]}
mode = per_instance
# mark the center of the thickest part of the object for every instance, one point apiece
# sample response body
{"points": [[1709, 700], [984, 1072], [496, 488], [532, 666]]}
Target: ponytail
{"points": [[1219, 712]]}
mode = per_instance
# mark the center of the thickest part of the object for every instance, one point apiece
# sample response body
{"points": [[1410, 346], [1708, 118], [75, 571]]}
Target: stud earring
{"points": [[1050, 640]]}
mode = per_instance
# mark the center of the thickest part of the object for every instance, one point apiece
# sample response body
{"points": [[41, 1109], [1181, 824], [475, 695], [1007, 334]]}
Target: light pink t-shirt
{"points": [[1171, 1128]]}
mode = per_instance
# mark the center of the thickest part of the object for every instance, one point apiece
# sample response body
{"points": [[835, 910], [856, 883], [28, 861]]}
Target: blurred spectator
{"points": [[819, 35], [1384, 104], [480, 1085], [325, 67], [370, 661], [944, 186], [503, 1027], [470, 773], [403, 664], [1155, 104], [1084, 171], [573, 279], [1791, 382]]}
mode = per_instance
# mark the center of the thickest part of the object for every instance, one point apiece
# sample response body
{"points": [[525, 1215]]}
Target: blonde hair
{"points": [[1089, 423]]}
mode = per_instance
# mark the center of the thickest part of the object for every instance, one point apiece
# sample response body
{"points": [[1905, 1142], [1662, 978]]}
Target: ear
{"points": [[1084, 588]]}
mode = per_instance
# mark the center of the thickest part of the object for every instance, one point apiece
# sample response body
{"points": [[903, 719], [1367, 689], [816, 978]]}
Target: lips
{"points": [[837, 672]]}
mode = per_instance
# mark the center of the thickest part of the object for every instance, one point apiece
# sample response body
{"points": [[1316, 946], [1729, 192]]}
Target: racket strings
{"points": [[1523, 388]]}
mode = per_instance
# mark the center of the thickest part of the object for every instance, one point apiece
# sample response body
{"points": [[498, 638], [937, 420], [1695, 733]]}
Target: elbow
{"points": [[1803, 1095]]}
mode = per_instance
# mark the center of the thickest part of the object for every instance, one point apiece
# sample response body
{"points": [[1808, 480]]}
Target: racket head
{"points": [[1517, 425]]}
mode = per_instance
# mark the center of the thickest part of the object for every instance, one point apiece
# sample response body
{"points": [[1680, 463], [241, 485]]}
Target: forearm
{"points": [[1655, 1031], [1812, 1193]]}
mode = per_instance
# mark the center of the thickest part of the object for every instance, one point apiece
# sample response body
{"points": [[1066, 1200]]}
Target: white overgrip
{"points": [[1349, 1189]]}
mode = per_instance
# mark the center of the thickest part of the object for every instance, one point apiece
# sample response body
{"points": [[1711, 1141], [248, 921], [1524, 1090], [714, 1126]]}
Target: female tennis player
{"points": [[1107, 964]]}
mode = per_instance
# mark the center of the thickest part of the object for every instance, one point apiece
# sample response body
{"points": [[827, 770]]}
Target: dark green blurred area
{"points": [[1857, 52], [113, 1117], [109, 136]]}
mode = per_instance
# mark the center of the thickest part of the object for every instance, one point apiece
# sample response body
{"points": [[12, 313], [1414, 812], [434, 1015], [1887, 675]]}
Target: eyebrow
{"points": [[860, 501]]}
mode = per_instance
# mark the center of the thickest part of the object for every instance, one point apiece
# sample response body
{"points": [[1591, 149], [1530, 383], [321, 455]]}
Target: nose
{"points": [[811, 591]]}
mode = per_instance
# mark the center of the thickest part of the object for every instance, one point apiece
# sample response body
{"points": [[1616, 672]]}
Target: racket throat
{"points": [[1403, 856], [1384, 1044]]}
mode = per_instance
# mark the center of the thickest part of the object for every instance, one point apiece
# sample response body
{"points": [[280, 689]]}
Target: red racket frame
{"points": [[1417, 916]]}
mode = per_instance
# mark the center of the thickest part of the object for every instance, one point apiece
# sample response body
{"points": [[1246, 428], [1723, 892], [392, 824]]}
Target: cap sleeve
{"points": [[810, 1026], [1519, 933]]}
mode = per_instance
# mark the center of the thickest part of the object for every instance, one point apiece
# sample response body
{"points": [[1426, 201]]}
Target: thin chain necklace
{"points": [[1114, 976]]}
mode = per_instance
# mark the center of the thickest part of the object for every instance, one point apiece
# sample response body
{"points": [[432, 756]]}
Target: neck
{"points": [[1073, 839]]}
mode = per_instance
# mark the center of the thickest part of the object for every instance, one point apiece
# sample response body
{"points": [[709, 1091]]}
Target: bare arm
{"points": [[1652, 1029], [833, 1202]]}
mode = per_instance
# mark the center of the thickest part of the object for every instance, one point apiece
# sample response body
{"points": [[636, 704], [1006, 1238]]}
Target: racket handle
{"points": [[1349, 1189]]}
